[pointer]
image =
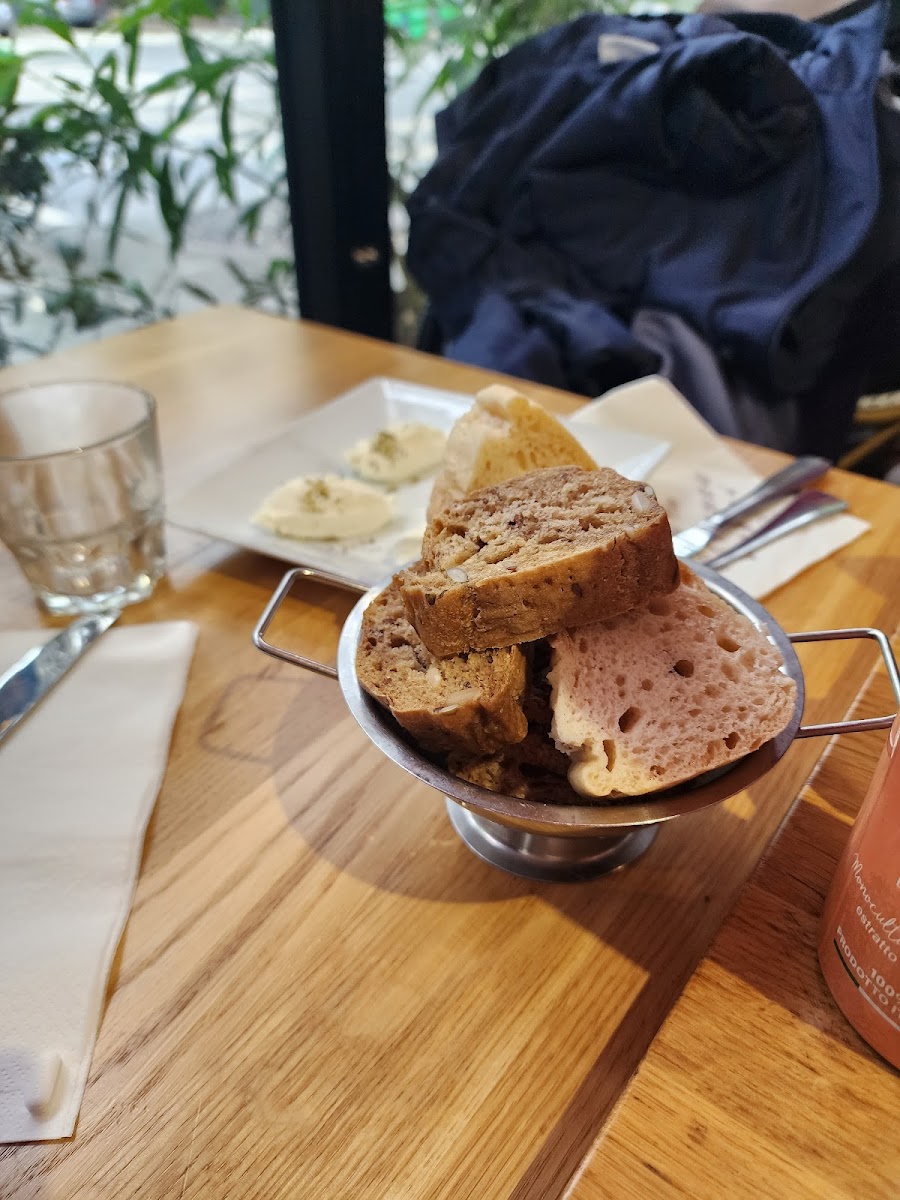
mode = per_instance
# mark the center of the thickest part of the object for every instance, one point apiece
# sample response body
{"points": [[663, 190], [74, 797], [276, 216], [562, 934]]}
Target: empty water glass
{"points": [[81, 499]]}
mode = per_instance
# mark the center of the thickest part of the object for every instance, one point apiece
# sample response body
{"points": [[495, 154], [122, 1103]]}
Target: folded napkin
{"points": [[701, 474], [78, 781]]}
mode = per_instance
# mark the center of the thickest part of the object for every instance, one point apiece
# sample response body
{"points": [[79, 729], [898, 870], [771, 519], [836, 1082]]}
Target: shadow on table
{"points": [[356, 810], [770, 941], [370, 820], [391, 831]]}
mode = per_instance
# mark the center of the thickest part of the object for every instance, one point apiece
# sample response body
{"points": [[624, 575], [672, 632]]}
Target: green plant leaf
{"points": [[251, 216], [193, 51], [116, 99], [225, 122], [169, 208], [42, 16], [224, 174], [87, 309], [10, 74], [140, 155], [237, 272], [139, 292], [206, 75], [117, 224], [98, 125], [166, 83], [200, 293], [136, 14], [108, 65], [181, 118], [132, 39], [182, 12], [71, 85], [279, 267]]}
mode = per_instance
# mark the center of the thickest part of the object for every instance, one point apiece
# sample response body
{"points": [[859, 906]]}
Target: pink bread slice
{"points": [[658, 696]]}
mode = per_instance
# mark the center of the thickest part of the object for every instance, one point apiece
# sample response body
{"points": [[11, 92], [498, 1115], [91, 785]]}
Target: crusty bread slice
{"points": [[665, 693], [532, 769], [540, 553], [469, 704], [503, 434]]}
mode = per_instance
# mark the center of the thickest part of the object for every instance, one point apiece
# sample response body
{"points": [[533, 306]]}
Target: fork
{"points": [[784, 482], [808, 507]]}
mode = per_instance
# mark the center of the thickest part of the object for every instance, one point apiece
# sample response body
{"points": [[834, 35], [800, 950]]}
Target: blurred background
{"points": [[142, 156], [164, 155]]}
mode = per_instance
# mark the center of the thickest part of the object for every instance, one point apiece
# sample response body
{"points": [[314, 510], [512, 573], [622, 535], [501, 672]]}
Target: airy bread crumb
{"points": [[504, 434], [665, 693]]}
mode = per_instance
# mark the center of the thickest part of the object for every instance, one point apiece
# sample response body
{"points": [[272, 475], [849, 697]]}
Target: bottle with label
{"points": [[859, 946]]}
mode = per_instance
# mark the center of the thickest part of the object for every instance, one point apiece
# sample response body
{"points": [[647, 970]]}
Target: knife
{"points": [[790, 479], [808, 507], [29, 680]]}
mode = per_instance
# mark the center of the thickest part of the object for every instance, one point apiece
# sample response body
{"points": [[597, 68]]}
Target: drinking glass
{"points": [[81, 498]]}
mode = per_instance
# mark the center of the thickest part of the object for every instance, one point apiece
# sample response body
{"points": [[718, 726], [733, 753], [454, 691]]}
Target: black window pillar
{"points": [[330, 58]]}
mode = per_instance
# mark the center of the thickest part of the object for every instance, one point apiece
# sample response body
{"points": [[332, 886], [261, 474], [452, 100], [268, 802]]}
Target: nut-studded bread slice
{"points": [[540, 553], [468, 704], [532, 769], [663, 694], [503, 434]]}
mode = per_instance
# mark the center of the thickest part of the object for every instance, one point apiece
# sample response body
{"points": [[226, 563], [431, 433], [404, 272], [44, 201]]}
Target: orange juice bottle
{"points": [[859, 946]]}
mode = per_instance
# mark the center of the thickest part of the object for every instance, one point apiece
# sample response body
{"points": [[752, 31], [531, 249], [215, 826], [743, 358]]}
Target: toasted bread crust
{"points": [[532, 769], [550, 550], [471, 706]]}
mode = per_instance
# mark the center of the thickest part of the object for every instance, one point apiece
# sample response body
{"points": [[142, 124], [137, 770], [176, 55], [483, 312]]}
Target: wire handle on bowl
{"points": [[827, 635], [887, 653], [280, 595]]}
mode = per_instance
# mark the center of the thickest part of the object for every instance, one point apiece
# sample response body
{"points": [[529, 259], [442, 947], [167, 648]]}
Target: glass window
{"points": [[141, 167]]}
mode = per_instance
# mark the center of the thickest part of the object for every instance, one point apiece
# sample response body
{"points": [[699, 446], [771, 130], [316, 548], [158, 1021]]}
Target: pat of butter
{"points": [[324, 506], [399, 453]]}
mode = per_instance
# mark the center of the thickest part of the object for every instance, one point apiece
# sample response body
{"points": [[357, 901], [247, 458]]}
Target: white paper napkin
{"points": [[701, 474], [78, 781]]}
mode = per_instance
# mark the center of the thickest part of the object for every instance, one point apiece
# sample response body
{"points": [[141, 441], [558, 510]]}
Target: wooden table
{"points": [[322, 994], [756, 1086]]}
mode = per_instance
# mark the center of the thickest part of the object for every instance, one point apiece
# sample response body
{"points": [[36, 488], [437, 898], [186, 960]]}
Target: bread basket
{"points": [[572, 842]]}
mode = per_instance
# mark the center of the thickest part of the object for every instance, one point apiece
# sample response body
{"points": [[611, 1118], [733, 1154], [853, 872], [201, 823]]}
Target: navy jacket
{"points": [[726, 174]]}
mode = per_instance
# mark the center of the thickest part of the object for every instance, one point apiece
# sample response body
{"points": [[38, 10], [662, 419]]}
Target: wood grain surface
{"points": [[757, 1085], [321, 993]]}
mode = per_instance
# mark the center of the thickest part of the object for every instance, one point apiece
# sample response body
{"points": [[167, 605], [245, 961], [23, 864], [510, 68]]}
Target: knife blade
{"points": [[29, 680], [789, 479]]}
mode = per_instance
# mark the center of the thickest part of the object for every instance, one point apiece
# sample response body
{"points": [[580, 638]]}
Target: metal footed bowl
{"points": [[578, 841]]}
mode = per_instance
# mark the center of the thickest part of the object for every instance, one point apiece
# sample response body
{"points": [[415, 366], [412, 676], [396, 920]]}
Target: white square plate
{"points": [[221, 505]]}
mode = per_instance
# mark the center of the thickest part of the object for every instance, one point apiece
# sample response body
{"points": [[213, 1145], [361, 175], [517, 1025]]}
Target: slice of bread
{"points": [[538, 554], [521, 771], [470, 704], [503, 434], [532, 769], [665, 693]]}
